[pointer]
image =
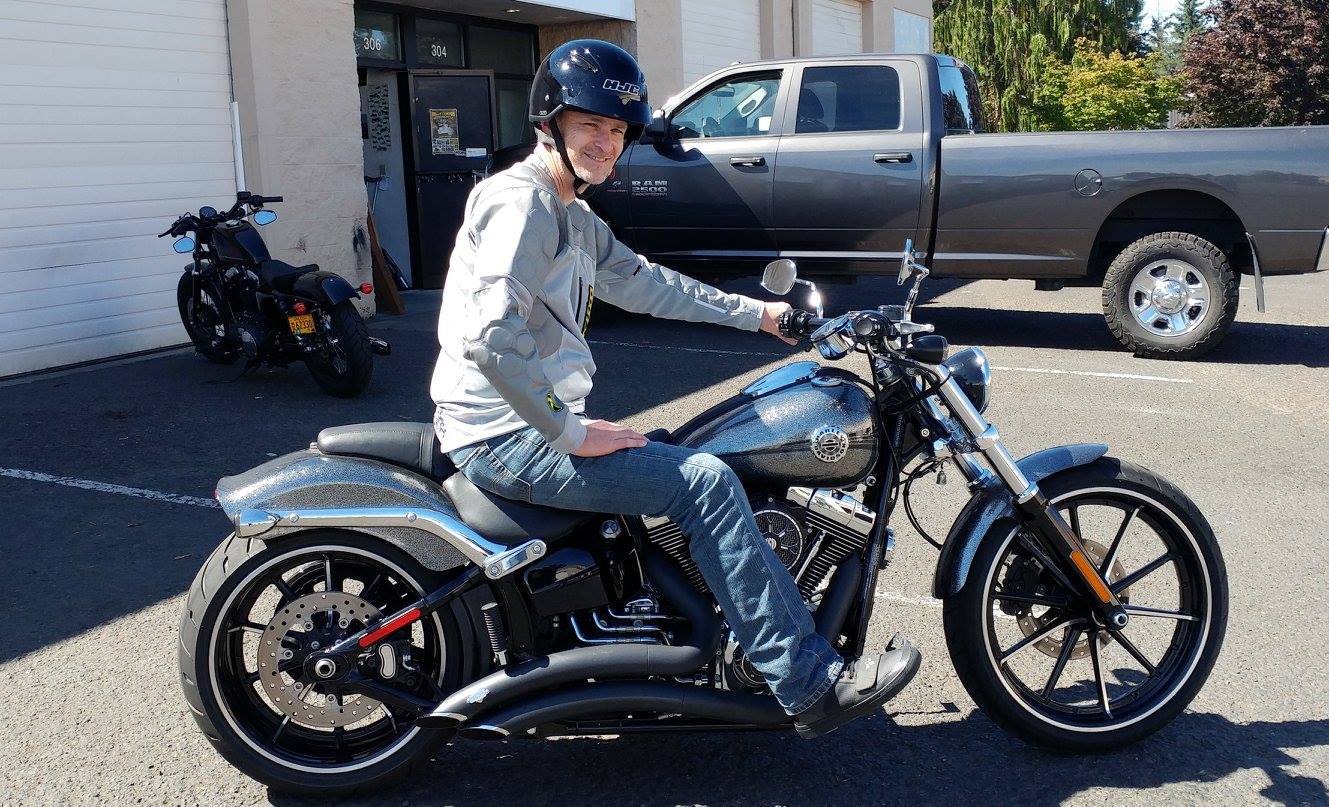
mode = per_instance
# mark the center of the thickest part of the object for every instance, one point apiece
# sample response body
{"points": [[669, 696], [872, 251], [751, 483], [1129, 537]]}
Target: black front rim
{"points": [[1053, 653], [240, 685], [205, 321]]}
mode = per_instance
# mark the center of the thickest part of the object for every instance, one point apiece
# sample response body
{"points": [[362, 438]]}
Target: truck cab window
{"points": [[959, 100], [740, 106], [849, 99]]}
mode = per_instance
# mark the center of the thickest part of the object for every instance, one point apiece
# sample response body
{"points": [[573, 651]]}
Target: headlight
{"points": [[972, 373]]}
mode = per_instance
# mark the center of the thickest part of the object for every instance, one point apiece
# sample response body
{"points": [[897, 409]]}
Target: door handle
{"points": [[893, 157], [750, 162]]}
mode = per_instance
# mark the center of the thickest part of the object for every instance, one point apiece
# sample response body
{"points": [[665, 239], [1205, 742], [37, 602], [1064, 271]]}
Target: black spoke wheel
{"points": [[204, 320], [278, 605], [1034, 654]]}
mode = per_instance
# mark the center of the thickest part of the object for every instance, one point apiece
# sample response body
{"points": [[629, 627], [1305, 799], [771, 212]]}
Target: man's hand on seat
{"points": [[770, 321], [604, 437]]}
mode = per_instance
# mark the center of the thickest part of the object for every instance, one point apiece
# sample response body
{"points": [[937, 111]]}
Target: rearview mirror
{"points": [[906, 262], [183, 245], [779, 276], [265, 217]]}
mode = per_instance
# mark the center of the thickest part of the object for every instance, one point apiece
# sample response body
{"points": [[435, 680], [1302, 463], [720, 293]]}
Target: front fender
{"points": [[309, 480], [992, 502], [323, 287]]}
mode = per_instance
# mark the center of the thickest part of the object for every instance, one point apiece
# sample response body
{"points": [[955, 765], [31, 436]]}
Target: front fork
{"points": [[1069, 560]]}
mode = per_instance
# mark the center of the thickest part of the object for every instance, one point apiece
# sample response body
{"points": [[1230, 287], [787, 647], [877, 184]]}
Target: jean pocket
{"points": [[487, 471]]}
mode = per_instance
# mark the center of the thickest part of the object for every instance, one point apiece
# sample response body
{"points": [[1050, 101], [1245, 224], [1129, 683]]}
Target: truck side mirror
{"points": [[657, 131]]}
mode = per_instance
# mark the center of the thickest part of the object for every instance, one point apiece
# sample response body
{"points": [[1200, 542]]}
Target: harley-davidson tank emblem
{"points": [[830, 444]]}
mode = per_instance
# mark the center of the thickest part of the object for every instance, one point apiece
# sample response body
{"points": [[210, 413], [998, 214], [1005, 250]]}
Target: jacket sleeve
{"points": [[516, 236], [629, 281]]}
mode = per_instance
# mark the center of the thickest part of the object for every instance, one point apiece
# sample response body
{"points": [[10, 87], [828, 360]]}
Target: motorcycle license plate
{"points": [[303, 323]]}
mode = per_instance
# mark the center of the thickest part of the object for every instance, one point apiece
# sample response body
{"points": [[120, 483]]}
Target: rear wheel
{"points": [[204, 320], [253, 616], [1170, 296], [1035, 657], [344, 363]]}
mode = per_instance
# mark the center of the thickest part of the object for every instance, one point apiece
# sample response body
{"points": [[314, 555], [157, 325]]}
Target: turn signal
{"points": [[366, 288], [299, 308]]}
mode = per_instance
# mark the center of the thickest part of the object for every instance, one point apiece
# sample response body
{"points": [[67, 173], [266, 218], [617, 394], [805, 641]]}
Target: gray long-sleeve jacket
{"points": [[517, 302]]}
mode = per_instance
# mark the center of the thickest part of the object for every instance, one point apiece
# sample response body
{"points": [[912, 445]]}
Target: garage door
{"points": [[837, 27], [717, 33], [115, 119]]}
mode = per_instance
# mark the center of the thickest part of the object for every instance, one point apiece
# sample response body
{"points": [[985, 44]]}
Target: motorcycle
{"points": [[372, 604], [236, 300]]}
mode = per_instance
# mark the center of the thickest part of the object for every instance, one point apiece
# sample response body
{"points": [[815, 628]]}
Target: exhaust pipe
{"points": [[838, 599], [599, 662], [522, 719]]}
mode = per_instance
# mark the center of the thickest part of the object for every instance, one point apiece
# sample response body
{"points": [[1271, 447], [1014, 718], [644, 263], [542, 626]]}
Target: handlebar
{"points": [[189, 221], [796, 323]]}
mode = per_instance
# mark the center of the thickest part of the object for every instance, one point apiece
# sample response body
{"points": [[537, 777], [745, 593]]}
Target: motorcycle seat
{"points": [[281, 275], [414, 446]]}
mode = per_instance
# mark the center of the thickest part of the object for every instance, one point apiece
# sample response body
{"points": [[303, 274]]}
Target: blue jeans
{"points": [[705, 498]]}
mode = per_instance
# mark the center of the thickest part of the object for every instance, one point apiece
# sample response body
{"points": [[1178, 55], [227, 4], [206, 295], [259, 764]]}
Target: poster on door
{"points": [[444, 138]]}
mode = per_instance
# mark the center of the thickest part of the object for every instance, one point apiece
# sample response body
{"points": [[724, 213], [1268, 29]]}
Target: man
{"points": [[515, 369]]}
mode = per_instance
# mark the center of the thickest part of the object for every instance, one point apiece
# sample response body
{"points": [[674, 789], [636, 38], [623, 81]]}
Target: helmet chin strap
{"points": [[580, 187]]}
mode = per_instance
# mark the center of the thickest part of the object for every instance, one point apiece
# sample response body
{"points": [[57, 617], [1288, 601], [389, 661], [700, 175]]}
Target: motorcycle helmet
{"points": [[590, 76]]}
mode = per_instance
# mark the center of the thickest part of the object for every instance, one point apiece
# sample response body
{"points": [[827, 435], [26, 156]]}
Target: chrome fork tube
{"points": [[986, 437]]}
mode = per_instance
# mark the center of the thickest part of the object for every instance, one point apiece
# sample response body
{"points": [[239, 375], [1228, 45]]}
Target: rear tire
{"points": [[1020, 695], [343, 369], [224, 711], [1170, 296]]}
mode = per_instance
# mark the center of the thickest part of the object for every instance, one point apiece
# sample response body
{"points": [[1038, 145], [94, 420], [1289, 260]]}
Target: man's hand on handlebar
{"points": [[771, 317]]}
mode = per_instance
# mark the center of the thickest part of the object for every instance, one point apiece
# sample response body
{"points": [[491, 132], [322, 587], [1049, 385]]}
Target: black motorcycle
{"points": [[235, 301], [372, 604]]}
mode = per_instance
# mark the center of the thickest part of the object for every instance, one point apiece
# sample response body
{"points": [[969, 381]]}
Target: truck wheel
{"points": [[1170, 296]]}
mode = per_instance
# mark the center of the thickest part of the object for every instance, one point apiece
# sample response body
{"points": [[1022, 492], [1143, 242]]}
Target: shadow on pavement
{"points": [[873, 761]]}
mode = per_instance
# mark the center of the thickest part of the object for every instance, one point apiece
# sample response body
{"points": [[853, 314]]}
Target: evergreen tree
{"points": [[1008, 43]]}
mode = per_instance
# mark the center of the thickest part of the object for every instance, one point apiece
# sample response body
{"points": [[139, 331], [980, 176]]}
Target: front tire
{"points": [[205, 324], [1034, 659], [345, 363], [1170, 296], [219, 633]]}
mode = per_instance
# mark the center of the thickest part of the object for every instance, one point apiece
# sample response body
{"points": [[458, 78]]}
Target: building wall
{"points": [[294, 75]]}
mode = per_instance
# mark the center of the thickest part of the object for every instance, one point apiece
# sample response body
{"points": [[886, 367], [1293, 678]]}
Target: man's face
{"points": [[593, 142]]}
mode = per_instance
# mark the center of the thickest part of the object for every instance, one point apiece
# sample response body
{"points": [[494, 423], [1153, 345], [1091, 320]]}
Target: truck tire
{"points": [[1170, 296]]}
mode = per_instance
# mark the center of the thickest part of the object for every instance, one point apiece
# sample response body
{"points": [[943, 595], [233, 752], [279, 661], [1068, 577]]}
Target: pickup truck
{"points": [[834, 162]]}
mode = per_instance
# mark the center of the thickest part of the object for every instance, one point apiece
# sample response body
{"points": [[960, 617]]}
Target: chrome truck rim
{"points": [[1169, 297]]}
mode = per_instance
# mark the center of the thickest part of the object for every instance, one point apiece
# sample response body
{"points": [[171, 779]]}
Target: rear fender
{"points": [[992, 502], [324, 288], [309, 481]]}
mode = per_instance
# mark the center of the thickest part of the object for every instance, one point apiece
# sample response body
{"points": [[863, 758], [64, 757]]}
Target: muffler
{"points": [[523, 680], [625, 697]]}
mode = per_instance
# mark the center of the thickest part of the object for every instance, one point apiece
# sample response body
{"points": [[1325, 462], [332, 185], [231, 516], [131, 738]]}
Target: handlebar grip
{"points": [[795, 323]]}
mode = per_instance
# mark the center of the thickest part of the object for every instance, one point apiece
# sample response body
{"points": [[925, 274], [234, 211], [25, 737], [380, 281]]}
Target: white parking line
{"points": [[106, 487], [891, 596], [1091, 374]]}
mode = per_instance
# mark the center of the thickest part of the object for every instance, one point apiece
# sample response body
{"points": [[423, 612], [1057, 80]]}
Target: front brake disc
{"points": [[1031, 622], [322, 619]]}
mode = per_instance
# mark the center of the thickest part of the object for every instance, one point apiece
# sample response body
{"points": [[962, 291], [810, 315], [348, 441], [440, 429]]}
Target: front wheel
{"points": [[255, 614], [204, 320], [344, 362], [1032, 653]]}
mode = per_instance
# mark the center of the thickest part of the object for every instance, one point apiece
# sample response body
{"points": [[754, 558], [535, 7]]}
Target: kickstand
{"points": [[250, 366]]}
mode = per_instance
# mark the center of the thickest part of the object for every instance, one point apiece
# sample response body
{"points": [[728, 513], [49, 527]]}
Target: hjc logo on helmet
{"points": [[626, 89]]}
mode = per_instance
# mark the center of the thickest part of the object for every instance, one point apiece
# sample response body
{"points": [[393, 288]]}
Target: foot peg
{"points": [[379, 347]]}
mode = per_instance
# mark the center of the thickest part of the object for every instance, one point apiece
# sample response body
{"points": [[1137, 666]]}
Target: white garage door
{"points": [[837, 27], [115, 120], [717, 33]]}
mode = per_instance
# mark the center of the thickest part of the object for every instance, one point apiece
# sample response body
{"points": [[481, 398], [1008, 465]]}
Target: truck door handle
{"points": [[893, 157], [750, 162]]}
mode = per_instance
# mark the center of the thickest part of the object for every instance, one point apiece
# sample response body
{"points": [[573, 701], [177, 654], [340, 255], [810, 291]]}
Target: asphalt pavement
{"points": [[106, 474]]}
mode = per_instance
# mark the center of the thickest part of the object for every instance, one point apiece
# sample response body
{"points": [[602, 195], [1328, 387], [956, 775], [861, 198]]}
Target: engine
{"points": [[811, 532]]}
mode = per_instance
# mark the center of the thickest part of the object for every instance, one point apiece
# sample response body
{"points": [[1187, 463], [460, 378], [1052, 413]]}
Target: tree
{"points": [[1008, 42], [1262, 63], [1097, 92]]}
